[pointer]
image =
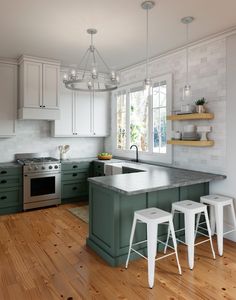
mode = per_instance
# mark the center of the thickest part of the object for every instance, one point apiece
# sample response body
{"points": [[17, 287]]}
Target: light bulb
{"points": [[187, 92], [65, 77], [90, 84], [73, 73], [94, 72], [113, 75]]}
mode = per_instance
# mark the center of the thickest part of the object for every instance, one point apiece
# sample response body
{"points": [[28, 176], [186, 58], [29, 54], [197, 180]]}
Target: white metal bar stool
{"points": [[217, 204], [190, 209], [152, 217]]}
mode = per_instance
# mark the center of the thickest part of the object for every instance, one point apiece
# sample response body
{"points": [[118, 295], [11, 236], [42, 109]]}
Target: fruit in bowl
{"points": [[104, 156]]}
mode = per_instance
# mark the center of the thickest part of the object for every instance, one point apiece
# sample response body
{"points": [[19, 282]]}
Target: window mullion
{"points": [[127, 119], [150, 125]]}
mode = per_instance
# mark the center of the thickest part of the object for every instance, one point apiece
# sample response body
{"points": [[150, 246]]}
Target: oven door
{"points": [[42, 187]]}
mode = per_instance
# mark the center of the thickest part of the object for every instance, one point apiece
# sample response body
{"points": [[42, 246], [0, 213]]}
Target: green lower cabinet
{"points": [[74, 189], [74, 184], [11, 198], [111, 216]]}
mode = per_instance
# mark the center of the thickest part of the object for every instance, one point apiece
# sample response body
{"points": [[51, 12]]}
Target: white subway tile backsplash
{"points": [[207, 76]]}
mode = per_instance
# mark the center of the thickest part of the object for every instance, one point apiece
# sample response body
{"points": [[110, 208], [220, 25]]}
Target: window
{"points": [[141, 120]]}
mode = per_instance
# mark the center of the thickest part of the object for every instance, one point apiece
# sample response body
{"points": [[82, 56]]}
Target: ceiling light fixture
{"points": [[187, 92], [147, 5], [87, 77]]}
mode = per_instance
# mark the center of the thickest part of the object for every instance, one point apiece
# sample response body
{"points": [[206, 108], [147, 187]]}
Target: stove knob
{"points": [[29, 168], [43, 168], [56, 167], [36, 167], [50, 167]]}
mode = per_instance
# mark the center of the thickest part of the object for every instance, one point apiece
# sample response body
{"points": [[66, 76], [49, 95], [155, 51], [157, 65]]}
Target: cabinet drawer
{"points": [[71, 190], [10, 172], [98, 173], [98, 168], [10, 198], [10, 181], [75, 176], [75, 166]]}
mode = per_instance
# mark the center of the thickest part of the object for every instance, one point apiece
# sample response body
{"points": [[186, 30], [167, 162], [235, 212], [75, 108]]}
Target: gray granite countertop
{"points": [[152, 179]]}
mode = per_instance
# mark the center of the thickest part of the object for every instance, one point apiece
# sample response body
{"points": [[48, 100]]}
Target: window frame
{"points": [[149, 155]]}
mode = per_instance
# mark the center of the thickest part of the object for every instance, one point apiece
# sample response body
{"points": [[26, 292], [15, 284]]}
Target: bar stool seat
{"points": [[152, 217], [191, 209], [217, 203]]}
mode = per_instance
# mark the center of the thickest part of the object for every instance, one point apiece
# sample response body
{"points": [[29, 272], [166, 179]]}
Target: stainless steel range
{"points": [[41, 180]]}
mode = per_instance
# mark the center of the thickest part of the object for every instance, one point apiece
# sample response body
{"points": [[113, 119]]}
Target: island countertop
{"points": [[153, 178]]}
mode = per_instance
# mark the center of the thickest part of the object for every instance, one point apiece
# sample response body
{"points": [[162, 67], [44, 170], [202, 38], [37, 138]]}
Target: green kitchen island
{"points": [[113, 200]]}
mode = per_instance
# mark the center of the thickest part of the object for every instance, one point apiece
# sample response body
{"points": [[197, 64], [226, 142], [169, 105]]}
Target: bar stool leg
{"points": [[209, 232], [233, 214], [219, 227], [171, 226], [212, 219], [189, 220], [168, 234], [131, 240], [197, 224], [152, 249]]}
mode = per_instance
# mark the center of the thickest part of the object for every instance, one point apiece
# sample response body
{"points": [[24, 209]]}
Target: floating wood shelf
{"points": [[205, 116], [191, 143]]}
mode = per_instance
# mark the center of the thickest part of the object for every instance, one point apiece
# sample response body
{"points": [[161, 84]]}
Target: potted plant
{"points": [[200, 105]]}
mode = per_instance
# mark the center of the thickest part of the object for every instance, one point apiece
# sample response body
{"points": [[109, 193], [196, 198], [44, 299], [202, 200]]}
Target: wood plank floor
{"points": [[43, 255]]}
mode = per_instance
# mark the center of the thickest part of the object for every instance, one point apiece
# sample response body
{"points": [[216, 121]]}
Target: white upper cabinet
{"points": [[8, 99], [51, 79], [39, 89], [81, 115], [32, 75], [101, 114], [65, 126]]}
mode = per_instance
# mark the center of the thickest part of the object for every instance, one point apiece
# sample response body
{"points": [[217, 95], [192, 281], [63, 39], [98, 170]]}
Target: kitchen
{"points": [[39, 114]]}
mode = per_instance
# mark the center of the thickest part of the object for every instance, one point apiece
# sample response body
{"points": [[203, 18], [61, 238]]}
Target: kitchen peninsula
{"points": [[113, 200]]}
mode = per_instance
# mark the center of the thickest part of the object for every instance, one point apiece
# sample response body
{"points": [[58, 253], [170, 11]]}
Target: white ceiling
{"points": [[57, 28]]}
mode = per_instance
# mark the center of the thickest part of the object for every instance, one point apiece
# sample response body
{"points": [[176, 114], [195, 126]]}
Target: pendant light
{"points": [[147, 5], [187, 92]]}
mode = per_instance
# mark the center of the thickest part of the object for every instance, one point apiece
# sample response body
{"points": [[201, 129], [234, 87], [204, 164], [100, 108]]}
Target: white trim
{"points": [[147, 156]]}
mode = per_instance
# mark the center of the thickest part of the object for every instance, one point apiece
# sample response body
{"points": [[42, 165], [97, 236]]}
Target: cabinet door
{"points": [[64, 126], [8, 99], [50, 86], [32, 84], [82, 114], [101, 114]]}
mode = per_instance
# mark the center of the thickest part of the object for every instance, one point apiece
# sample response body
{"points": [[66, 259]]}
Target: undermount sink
{"points": [[121, 168]]}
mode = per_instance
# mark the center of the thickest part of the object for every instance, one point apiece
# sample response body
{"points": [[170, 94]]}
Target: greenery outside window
{"points": [[141, 120]]}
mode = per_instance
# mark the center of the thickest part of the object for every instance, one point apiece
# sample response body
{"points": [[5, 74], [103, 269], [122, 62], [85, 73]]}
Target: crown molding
{"points": [[210, 38]]}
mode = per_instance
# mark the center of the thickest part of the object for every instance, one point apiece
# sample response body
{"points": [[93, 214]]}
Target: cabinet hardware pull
{"points": [[3, 197], [74, 174], [3, 172], [75, 167], [44, 106], [74, 188], [3, 181]]}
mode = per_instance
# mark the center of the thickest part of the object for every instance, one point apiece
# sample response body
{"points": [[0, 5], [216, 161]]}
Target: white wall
{"points": [[228, 186], [207, 77], [34, 136]]}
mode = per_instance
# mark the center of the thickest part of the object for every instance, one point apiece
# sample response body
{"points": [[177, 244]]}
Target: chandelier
{"points": [[87, 76]]}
